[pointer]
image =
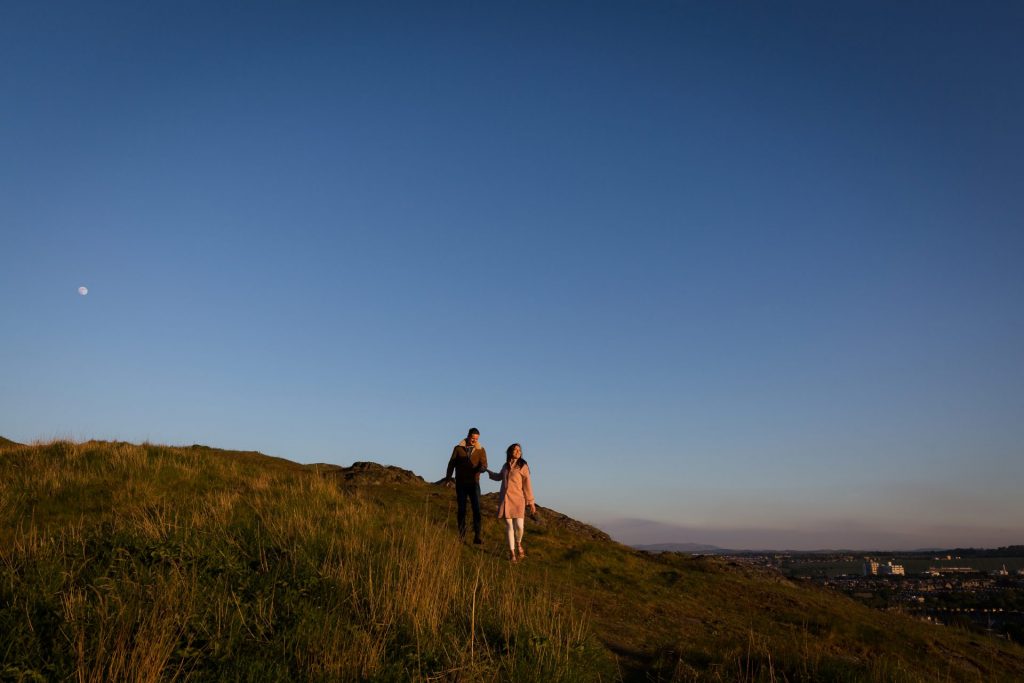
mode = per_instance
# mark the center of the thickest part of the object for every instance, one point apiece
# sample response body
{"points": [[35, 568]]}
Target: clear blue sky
{"points": [[744, 275]]}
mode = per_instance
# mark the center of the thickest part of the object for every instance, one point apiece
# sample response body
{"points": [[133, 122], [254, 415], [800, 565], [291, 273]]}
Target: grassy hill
{"points": [[142, 562]]}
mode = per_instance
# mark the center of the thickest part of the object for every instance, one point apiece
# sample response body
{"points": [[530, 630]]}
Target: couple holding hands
{"points": [[468, 461]]}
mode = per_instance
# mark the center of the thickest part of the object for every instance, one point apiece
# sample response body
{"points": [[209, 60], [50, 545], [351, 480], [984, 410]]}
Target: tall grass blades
{"points": [[148, 563], [152, 563]]}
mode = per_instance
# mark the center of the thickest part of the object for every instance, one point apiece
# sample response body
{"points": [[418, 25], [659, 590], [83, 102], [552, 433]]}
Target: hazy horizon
{"points": [[852, 537], [746, 271]]}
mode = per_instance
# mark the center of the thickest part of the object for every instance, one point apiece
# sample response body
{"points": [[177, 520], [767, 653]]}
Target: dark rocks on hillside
{"points": [[373, 473], [573, 525]]}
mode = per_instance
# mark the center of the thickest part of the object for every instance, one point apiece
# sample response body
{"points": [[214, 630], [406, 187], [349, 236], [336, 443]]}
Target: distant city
{"points": [[978, 590]]}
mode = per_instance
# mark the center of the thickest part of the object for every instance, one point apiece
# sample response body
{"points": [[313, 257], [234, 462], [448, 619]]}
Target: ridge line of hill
{"points": [[204, 564]]}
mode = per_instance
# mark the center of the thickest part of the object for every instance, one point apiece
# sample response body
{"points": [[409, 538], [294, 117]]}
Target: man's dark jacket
{"points": [[467, 462]]}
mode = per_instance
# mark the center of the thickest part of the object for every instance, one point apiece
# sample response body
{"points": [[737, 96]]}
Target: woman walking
{"points": [[516, 493]]}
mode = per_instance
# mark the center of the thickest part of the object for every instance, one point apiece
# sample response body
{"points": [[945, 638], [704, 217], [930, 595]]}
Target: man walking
{"points": [[468, 460]]}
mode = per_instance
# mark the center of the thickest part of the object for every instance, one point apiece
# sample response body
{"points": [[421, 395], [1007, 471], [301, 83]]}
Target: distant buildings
{"points": [[873, 568], [938, 571], [892, 569]]}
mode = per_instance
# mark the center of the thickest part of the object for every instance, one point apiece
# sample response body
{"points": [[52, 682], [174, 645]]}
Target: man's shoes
{"points": [[477, 540]]}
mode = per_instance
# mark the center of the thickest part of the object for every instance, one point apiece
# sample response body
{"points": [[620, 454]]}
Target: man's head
{"points": [[473, 437]]}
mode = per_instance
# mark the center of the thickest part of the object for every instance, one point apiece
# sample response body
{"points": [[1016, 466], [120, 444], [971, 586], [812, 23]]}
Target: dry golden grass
{"points": [[145, 563], [149, 563]]}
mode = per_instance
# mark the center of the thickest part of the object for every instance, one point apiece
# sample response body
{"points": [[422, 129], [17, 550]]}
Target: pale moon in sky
{"points": [[83, 290]]}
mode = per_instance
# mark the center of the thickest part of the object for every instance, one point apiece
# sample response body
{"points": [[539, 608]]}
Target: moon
{"points": [[83, 290]]}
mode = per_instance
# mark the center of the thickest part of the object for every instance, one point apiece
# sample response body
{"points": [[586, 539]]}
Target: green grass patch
{"points": [[144, 562]]}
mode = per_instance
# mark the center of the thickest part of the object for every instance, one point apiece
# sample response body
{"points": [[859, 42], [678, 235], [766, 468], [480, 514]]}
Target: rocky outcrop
{"points": [[371, 473]]}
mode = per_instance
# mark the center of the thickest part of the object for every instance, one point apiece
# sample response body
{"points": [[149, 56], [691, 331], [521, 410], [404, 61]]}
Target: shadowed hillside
{"points": [[142, 562]]}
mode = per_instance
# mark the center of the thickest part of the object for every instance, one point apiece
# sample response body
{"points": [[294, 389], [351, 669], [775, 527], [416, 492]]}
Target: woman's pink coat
{"points": [[516, 491]]}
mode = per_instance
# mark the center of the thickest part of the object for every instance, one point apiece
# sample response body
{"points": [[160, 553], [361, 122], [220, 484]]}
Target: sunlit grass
{"points": [[145, 563]]}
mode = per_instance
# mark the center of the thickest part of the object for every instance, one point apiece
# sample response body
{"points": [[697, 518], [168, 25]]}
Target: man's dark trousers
{"points": [[471, 491]]}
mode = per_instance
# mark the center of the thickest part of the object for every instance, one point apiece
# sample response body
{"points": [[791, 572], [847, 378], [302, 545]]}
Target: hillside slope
{"points": [[157, 563]]}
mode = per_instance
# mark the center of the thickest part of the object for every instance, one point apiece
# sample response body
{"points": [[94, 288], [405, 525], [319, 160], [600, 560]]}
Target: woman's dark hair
{"points": [[508, 455]]}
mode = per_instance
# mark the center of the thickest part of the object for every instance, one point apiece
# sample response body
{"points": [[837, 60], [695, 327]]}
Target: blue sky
{"points": [[743, 275]]}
